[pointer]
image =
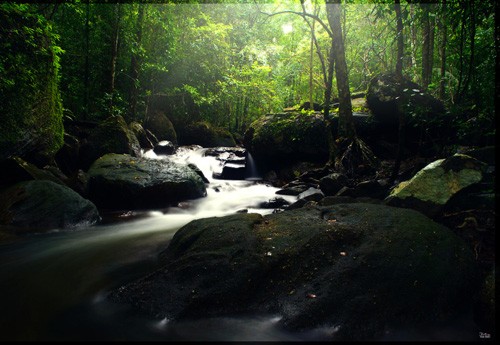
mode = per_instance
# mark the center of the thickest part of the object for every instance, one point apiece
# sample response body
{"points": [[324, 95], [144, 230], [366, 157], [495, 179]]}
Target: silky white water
{"points": [[53, 285]]}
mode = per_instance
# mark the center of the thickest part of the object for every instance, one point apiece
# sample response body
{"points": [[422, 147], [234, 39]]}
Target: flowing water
{"points": [[53, 286]]}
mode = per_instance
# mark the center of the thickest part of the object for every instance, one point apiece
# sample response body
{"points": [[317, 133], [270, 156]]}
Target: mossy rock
{"points": [[39, 205], [142, 136], [289, 137], [161, 126], [111, 136], [365, 269], [206, 135], [30, 103], [433, 186], [424, 115], [120, 181]]}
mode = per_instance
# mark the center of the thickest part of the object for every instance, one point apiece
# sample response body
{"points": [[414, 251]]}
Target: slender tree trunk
{"points": [[413, 37], [135, 62], [346, 124], [86, 96], [114, 52], [400, 40], [461, 51], [311, 65], [399, 77], [426, 47], [442, 50]]}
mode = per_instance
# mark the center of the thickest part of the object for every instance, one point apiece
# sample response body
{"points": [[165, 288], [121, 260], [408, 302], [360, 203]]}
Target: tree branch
{"points": [[303, 15]]}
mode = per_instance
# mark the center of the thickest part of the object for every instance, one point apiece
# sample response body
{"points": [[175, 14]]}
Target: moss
{"points": [[30, 102]]}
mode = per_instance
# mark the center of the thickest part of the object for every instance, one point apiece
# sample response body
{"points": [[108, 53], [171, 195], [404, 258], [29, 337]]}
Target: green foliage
{"points": [[29, 97]]}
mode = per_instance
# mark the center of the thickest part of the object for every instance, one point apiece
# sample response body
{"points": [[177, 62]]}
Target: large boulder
{"points": [[146, 141], [433, 186], [16, 170], [111, 136], [122, 181], [425, 116], [39, 205], [364, 270], [204, 134], [30, 103], [160, 125], [288, 137]]}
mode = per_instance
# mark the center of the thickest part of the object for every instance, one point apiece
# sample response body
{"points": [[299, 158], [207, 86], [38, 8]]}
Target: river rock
{"points": [[387, 98], [204, 134], [122, 181], [431, 188], [146, 141], [16, 169], [42, 205], [164, 147], [111, 136], [161, 126], [332, 183], [364, 270], [277, 139]]}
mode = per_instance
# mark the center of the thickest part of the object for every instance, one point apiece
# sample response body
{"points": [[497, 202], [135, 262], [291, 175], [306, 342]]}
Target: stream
{"points": [[53, 285]]}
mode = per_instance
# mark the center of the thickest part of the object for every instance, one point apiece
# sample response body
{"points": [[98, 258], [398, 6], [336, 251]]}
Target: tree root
{"points": [[354, 157]]}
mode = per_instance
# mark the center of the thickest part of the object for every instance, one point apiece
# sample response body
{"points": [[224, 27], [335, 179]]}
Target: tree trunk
{"points": [[311, 65], [399, 76], [86, 96], [426, 47], [442, 50], [346, 124], [413, 37], [114, 52], [135, 62]]}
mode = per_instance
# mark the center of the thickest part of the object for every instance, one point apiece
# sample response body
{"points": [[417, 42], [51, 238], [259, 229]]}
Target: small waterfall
{"points": [[251, 172]]}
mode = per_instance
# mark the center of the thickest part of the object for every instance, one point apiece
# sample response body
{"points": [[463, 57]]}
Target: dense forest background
{"points": [[229, 63]]}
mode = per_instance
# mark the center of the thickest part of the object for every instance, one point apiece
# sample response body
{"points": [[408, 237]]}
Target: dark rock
{"points": [[142, 136], [111, 136], [164, 147], [122, 181], [346, 191], [226, 153], [206, 135], [367, 269], [295, 190], [231, 171], [33, 206], [485, 307], [161, 126], [278, 139], [274, 203], [332, 183], [386, 97], [16, 169], [484, 154], [67, 156], [199, 172], [433, 186], [372, 189]]}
